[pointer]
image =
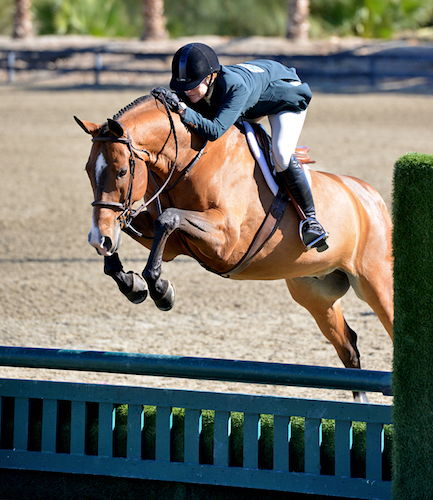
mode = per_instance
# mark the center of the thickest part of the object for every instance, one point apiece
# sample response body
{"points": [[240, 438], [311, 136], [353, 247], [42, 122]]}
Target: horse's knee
{"points": [[168, 221], [165, 224]]}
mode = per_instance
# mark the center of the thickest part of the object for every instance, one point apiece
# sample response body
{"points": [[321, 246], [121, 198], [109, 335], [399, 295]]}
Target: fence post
{"points": [[98, 67], [413, 340], [11, 66], [373, 69]]}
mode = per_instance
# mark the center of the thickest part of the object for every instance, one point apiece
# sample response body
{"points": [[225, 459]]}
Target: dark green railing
{"points": [[238, 440]]}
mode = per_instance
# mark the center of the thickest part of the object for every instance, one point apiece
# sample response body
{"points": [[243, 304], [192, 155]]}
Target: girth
{"points": [[263, 235]]}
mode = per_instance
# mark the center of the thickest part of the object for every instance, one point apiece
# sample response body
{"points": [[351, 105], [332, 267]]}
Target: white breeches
{"points": [[286, 128]]}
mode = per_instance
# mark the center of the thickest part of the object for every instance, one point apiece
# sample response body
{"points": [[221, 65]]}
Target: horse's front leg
{"points": [[161, 291], [130, 284], [210, 234]]}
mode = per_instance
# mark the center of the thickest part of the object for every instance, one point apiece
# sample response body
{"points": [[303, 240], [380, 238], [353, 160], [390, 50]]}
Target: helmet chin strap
{"points": [[209, 87]]}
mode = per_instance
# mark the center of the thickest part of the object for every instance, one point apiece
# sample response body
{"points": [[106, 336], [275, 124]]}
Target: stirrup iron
{"points": [[322, 238]]}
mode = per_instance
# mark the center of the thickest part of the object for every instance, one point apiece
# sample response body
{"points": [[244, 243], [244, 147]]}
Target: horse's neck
{"points": [[156, 125], [169, 148]]}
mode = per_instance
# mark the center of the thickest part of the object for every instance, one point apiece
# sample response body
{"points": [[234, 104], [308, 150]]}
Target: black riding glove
{"points": [[170, 97]]}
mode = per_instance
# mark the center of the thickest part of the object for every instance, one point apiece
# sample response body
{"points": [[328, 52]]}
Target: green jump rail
{"points": [[226, 439], [199, 368]]}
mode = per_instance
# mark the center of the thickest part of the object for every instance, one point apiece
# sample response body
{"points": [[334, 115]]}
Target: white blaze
{"points": [[95, 238], [101, 164]]}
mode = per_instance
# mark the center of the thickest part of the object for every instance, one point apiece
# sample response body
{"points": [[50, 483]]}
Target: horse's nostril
{"points": [[106, 243]]}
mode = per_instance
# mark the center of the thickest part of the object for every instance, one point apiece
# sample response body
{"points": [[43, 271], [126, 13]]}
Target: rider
{"points": [[214, 97]]}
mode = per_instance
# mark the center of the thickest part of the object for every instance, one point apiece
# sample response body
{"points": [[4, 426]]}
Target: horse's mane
{"points": [[132, 105]]}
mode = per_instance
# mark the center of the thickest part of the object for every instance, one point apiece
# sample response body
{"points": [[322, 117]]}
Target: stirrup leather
{"points": [[323, 237]]}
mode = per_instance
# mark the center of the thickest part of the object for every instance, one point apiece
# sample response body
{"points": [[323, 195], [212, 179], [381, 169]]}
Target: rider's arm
{"points": [[230, 109]]}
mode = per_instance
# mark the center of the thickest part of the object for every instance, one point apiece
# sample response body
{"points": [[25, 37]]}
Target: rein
{"points": [[264, 233], [126, 206], [128, 214]]}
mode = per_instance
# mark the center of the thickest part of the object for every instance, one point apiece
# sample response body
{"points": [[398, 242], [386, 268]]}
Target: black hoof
{"points": [[166, 302], [139, 291]]}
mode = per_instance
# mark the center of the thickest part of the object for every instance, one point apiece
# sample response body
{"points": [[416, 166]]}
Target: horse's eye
{"points": [[121, 173]]}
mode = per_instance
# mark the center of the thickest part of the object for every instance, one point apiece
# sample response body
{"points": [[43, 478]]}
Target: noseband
{"points": [[128, 214], [126, 207]]}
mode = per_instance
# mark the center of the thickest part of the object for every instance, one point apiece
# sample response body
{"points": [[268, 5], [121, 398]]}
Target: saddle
{"points": [[264, 141], [260, 145]]}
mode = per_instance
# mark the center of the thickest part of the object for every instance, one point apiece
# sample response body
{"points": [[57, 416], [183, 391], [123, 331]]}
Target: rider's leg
{"points": [[286, 128]]}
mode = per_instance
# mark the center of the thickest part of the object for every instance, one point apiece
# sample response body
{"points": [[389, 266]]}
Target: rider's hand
{"points": [[170, 97]]}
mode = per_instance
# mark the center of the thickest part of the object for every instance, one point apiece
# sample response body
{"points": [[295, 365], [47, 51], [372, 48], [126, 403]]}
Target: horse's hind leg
{"points": [[321, 297], [377, 290]]}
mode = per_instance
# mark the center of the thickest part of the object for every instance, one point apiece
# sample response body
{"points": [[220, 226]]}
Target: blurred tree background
{"points": [[238, 18]]}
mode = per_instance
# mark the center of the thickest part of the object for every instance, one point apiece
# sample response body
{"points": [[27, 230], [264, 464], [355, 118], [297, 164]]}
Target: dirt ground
{"points": [[54, 294]]}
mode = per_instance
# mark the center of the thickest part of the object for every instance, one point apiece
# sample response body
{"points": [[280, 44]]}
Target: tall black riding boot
{"points": [[311, 231]]}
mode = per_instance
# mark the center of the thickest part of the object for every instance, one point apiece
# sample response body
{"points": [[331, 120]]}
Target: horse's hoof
{"points": [[139, 291], [166, 302]]}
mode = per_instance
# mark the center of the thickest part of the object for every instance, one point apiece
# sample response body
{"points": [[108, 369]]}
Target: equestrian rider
{"points": [[214, 97]]}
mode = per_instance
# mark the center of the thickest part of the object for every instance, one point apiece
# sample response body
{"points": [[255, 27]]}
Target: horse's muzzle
{"points": [[104, 245]]}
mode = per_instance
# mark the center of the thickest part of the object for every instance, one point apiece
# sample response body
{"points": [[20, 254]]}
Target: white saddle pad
{"points": [[261, 159]]}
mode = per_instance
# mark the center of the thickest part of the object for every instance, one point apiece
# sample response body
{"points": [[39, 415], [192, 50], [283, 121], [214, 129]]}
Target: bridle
{"points": [[126, 206], [127, 213]]}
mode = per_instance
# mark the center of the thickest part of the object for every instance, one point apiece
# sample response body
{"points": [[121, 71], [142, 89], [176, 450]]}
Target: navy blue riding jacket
{"points": [[249, 90]]}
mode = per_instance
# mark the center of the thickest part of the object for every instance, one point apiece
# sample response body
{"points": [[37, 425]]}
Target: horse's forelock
{"points": [[103, 132]]}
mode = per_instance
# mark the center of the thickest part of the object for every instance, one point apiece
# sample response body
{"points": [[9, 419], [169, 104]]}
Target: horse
{"points": [[209, 199]]}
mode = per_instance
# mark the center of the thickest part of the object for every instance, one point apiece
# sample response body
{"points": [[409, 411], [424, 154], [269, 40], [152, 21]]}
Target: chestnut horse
{"points": [[209, 203]]}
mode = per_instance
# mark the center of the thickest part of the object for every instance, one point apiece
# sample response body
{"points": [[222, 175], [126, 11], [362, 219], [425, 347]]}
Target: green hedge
{"points": [[153, 489], [413, 327]]}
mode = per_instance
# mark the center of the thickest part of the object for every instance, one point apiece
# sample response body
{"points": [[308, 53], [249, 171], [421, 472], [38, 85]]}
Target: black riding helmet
{"points": [[191, 64]]}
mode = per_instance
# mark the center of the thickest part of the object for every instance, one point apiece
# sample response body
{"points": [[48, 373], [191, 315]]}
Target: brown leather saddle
{"points": [[264, 142]]}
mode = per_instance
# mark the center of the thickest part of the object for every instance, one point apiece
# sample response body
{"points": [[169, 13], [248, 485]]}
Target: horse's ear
{"points": [[88, 127], [115, 127]]}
